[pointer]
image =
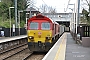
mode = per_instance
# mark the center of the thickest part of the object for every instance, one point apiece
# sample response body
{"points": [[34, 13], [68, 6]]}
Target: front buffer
{"points": [[40, 47]]}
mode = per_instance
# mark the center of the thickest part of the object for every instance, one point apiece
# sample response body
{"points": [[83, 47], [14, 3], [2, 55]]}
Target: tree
{"points": [[88, 2], [47, 9], [43, 8], [86, 13], [88, 17], [51, 10], [22, 5], [30, 3], [4, 9]]}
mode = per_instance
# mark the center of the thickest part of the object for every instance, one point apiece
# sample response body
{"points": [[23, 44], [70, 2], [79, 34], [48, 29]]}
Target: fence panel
{"points": [[16, 33]]}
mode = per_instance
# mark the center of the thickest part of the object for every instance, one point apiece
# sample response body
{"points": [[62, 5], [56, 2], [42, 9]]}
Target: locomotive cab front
{"points": [[39, 33]]}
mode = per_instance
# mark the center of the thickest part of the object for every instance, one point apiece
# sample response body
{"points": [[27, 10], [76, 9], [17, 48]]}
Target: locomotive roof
{"points": [[40, 16]]}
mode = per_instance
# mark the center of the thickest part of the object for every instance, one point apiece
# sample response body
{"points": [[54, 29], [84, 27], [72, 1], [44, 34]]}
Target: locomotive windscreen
{"points": [[34, 25], [45, 26]]}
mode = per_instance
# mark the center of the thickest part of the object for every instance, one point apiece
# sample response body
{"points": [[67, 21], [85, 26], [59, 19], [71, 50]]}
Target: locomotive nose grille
{"points": [[39, 36]]}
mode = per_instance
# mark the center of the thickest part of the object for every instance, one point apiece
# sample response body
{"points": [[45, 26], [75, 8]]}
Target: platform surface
{"points": [[66, 49], [6, 39], [76, 51]]}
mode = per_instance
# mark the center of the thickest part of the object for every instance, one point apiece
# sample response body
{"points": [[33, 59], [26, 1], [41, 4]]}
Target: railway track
{"points": [[36, 56], [20, 52], [22, 55], [13, 51], [12, 48]]}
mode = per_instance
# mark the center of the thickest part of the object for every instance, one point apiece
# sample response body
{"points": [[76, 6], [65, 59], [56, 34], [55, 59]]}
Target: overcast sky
{"points": [[60, 5]]}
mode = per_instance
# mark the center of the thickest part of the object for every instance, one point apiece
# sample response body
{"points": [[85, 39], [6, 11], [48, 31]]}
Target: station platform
{"points": [[6, 39], [66, 49]]}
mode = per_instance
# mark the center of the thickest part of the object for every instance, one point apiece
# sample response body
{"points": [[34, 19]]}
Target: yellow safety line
{"points": [[59, 50]]}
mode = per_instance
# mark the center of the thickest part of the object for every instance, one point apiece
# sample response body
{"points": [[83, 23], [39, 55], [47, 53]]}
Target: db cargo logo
{"points": [[39, 33]]}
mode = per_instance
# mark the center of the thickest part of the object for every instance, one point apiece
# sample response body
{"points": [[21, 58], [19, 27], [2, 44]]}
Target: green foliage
{"points": [[4, 12], [85, 14], [4, 7], [21, 4], [22, 23], [5, 24]]}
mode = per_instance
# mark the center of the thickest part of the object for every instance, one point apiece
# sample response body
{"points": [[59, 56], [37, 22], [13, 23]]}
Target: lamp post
{"points": [[10, 18], [71, 21], [73, 18], [27, 14], [19, 11]]}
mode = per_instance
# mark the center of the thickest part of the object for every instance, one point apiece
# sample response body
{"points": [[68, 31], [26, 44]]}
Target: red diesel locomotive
{"points": [[42, 33]]}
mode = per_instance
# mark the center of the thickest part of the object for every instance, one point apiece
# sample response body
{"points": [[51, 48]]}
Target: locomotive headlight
{"points": [[31, 37], [48, 38]]}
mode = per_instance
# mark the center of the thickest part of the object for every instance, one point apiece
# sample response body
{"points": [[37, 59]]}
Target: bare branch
{"points": [[47, 9], [87, 2], [30, 2]]}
